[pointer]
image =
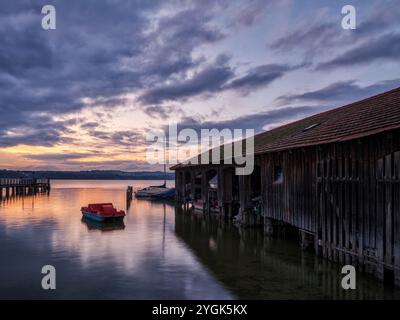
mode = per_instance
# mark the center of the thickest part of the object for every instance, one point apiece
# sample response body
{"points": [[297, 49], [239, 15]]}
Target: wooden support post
{"points": [[203, 188], [244, 196], [220, 190], [178, 186], [193, 185], [268, 226], [204, 184], [181, 187], [306, 240], [229, 209]]}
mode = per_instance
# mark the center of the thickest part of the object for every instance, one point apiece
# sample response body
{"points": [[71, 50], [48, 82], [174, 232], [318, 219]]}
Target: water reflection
{"points": [[108, 226], [143, 260], [157, 252], [257, 267]]}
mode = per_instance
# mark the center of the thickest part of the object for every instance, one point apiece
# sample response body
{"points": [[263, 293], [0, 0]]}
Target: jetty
{"points": [[334, 176], [21, 187]]}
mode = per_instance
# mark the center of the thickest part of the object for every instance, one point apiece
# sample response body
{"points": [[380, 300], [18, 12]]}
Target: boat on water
{"points": [[199, 205], [102, 212], [103, 227], [157, 192], [211, 203]]}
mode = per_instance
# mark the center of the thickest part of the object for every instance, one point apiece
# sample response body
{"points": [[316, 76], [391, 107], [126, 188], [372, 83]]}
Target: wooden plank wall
{"points": [[293, 200], [359, 203], [348, 194]]}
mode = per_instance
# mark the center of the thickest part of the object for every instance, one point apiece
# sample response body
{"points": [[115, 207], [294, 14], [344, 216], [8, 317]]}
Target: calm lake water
{"points": [[158, 252]]}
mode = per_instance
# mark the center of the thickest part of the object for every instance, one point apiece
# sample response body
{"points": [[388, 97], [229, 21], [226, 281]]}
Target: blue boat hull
{"points": [[96, 217]]}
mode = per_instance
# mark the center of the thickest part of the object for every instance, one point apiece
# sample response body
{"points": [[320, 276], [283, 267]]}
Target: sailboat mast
{"points": [[165, 164]]}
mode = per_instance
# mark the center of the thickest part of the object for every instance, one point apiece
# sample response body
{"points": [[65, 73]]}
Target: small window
{"points": [[311, 126], [278, 175]]}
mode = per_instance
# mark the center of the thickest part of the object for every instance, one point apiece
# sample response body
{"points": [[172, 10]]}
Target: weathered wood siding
{"points": [[293, 200], [359, 195], [347, 194]]}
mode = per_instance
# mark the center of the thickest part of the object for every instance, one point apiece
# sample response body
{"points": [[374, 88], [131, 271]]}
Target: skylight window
{"points": [[311, 126]]}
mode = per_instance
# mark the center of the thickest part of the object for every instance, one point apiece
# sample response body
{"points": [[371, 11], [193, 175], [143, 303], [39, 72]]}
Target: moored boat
{"points": [[199, 205], [104, 227], [155, 192], [102, 212]]}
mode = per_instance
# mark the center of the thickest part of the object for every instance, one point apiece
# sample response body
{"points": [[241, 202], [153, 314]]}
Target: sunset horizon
{"points": [[84, 96]]}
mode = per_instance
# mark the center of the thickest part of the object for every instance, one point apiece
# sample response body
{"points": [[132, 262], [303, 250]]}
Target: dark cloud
{"points": [[340, 92], [210, 79], [310, 38], [37, 130], [89, 125], [163, 112], [322, 34], [59, 156], [385, 47], [258, 77], [214, 78], [105, 51], [248, 12], [100, 50], [125, 140], [255, 121], [124, 165], [128, 138]]}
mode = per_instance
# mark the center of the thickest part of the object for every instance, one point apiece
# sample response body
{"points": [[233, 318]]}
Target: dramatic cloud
{"points": [[209, 80], [99, 51], [258, 77], [340, 92], [89, 125], [257, 121], [120, 68], [59, 156], [310, 38], [323, 34], [217, 77], [386, 47], [247, 13], [162, 112], [36, 130]]}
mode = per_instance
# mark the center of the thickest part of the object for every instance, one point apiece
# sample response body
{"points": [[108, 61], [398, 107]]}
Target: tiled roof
{"points": [[359, 119]]}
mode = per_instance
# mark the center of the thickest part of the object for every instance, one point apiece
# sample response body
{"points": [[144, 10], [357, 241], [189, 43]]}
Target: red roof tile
{"points": [[359, 119]]}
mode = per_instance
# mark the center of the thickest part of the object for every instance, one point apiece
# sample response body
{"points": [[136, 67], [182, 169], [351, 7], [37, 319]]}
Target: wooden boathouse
{"points": [[334, 176], [19, 187]]}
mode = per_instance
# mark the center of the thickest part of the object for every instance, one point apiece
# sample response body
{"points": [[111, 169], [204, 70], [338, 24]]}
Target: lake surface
{"points": [[159, 252]]}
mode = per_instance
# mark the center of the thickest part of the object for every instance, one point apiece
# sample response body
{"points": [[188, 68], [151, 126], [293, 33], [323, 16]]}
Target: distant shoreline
{"points": [[88, 175], [113, 179]]}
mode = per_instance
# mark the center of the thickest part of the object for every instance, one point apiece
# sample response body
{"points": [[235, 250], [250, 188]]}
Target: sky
{"points": [[84, 96]]}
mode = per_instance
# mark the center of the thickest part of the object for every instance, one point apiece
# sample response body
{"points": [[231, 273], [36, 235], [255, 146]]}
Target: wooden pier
{"points": [[10, 187], [334, 176]]}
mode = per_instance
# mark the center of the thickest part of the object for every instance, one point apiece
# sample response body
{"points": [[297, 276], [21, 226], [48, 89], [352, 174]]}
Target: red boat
{"points": [[102, 212]]}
